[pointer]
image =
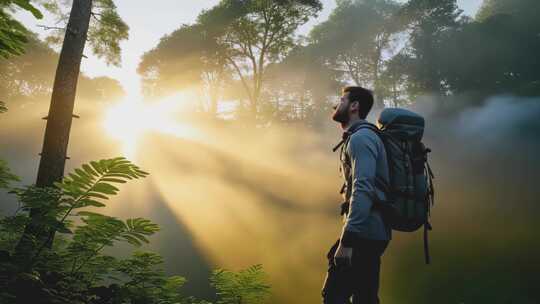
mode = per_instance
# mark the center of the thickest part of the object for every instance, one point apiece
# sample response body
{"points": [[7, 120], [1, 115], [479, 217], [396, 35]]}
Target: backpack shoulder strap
{"points": [[347, 134]]}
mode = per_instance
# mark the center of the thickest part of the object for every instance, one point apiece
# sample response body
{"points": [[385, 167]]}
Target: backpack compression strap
{"points": [[431, 202]]}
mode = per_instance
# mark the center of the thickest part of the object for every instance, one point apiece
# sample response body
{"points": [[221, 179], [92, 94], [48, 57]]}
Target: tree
{"points": [[393, 80], [255, 34], [525, 9], [54, 153], [76, 269], [499, 44], [29, 77], [29, 73], [298, 87], [186, 58], [13, 35], [429, 22], [355, 37]]}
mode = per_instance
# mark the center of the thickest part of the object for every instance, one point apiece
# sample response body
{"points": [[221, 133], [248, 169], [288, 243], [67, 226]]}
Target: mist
{"points": [[239, 196], [239, 150]]}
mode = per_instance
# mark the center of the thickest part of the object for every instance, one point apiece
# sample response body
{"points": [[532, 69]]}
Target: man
{"points": [[354, 261]]}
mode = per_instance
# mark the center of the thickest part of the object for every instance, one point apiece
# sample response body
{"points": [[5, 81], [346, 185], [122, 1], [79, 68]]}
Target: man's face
{"points": [[342, 110]]}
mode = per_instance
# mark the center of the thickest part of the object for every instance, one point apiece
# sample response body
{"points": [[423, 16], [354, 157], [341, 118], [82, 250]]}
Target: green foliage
{"points": [[107, 30], [364, 31], [146, 282], [11, 228], [13, 35], [235, 37], [6, 177], [30, 73], [256, 33], [429, 21], [29, 77], [189, 50], [78, 259], [93, 182], [501, 43], [525, 8], [75, 269], [247, 286], [25, 5]]}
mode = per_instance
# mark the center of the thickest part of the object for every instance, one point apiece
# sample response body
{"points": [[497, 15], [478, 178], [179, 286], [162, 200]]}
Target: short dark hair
{"points": [[364, 98]]}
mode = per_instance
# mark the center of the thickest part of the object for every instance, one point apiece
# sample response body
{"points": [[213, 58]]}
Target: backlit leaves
{"points": [[105, 32], [12, 33], [6, 177], [93, 183], [246, 286]]}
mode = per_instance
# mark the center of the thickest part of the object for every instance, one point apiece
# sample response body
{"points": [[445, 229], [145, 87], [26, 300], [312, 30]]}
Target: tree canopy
{"points": [[29, 76], [106, 30], [355, 38], [235, 37]]}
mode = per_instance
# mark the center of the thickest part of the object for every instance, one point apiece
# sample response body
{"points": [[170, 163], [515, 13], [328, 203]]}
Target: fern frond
{"points": [[94, 182]]}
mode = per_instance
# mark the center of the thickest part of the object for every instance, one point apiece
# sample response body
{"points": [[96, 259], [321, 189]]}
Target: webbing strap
{"points": [[345, 136], [427, 227]]}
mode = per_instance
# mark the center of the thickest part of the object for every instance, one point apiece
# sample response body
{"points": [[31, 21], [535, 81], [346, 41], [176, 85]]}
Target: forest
{"points": [[213, 181]]}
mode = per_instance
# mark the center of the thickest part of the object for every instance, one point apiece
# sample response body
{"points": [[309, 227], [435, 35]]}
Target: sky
{"points": [[151, 20]]}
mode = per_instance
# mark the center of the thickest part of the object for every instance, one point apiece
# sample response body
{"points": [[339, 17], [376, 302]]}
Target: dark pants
{"points": [[360, 280]]}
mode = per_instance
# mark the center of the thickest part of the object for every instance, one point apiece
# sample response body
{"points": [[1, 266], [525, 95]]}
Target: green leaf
{"points": [[96, 165], [105, 188], [88, 213], [97, 195], [90, 202], [25, 4], [89, 170], [113, 180], [121, 175], [140, 237], [83, 174], [132, 240]]}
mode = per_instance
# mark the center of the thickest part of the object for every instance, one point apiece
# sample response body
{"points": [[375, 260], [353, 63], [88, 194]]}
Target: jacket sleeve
{"points": [[363, 153]]}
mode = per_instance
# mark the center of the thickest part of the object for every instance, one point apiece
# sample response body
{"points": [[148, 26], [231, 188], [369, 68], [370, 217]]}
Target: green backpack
{"points": [[410, 192]]}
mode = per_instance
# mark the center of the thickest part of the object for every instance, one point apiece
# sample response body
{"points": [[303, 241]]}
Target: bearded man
{"points": [[355, 259]]}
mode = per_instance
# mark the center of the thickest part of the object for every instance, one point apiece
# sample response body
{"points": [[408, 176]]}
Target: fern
{"points": [[247, 286], [101, 231], [6, 177], [75, 269], [92, 184], [88, 186]]}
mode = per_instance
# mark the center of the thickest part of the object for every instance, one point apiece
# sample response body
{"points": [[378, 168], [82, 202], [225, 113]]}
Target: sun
{"points": [[130, 119]]}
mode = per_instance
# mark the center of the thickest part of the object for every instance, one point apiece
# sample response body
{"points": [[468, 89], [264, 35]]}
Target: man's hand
{"points": [[343, 256]]}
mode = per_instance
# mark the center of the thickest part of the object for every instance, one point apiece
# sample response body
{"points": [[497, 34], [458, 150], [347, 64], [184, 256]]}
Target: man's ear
{"points": [[354, 107]]}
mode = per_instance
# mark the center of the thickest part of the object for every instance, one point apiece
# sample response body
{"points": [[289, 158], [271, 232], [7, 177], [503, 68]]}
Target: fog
{"points": [[236, 196]]}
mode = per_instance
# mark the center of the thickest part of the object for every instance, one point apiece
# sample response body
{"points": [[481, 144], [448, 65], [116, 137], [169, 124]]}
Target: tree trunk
{"points": [[54, 152], [379, 100]]}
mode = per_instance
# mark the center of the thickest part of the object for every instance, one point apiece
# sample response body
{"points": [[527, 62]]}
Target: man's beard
{"points": [[341, 115]]}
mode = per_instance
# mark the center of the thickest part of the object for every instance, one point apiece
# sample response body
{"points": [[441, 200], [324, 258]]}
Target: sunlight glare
{"points": [[132, 118]]}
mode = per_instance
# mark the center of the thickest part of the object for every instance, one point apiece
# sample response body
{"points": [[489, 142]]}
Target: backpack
{"points": [[410, 192]]}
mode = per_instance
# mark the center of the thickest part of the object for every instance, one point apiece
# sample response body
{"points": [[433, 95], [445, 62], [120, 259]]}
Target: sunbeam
{"points": [[130, 119]]}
